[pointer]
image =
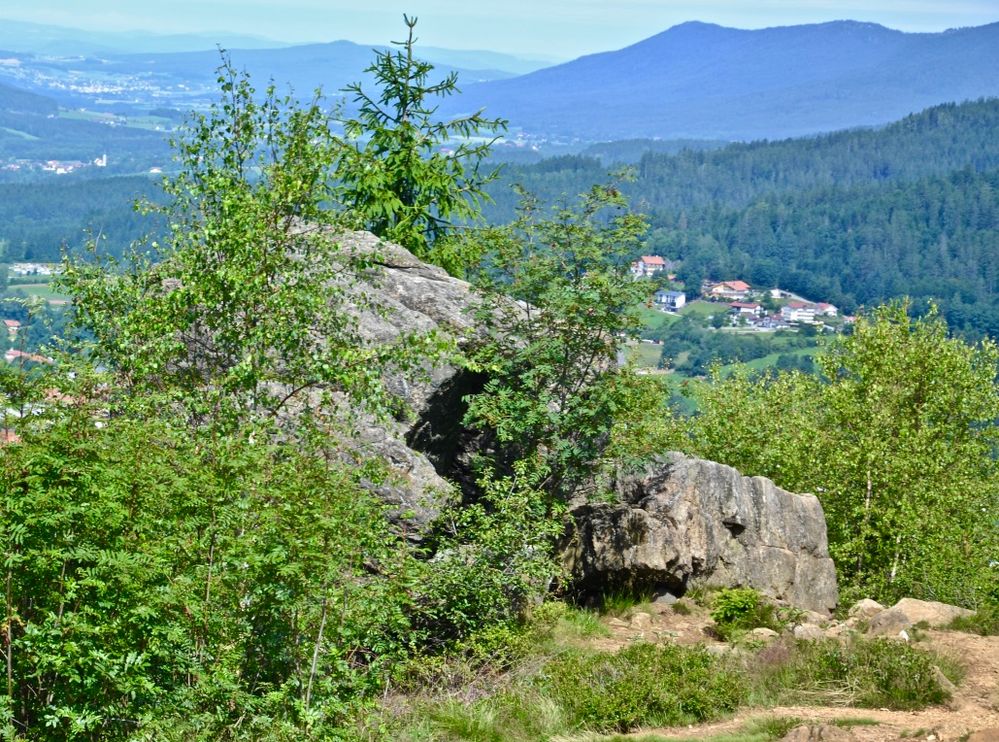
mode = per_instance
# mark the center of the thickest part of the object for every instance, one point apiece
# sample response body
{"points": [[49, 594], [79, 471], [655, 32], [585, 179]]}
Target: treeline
{"points": [[853, 218], [936, 141]]}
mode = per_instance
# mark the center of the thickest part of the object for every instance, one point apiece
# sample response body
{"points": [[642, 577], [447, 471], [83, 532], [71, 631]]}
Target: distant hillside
{"points": [[20, 36], [937, 141], [853, 218], [186, 80], [479, 59], [704, 81], [45, 39], [306, 67], [33, 128], [21, 101]]}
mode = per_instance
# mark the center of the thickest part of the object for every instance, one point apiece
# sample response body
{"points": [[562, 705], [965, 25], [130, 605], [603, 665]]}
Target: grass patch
{"points": [[577, 691], [624, 604], [703, 309], [41, 290], [19, 134], [653, 319], [767, 361], [876, 673], [984, 622], [549, 686], [644, 355], [682, 608], [576, 624]]}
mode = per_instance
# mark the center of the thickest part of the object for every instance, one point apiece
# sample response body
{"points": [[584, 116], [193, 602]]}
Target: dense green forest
{"points": [[39, 220], [852, 218]]}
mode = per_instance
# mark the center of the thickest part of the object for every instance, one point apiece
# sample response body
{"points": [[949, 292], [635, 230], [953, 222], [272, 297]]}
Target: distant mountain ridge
{"points": [[306, 67], [40, 38], [701, 80], [187, 79]]}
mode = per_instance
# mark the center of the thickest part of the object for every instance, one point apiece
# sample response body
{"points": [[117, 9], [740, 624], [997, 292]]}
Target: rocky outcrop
{"points": [[679, 521], [683, 520], [405, 297], [410, 296], [909, 612]]}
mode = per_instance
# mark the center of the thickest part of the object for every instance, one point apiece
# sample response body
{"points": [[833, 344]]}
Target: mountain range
{"points": [[695, 81], [705, 81]]}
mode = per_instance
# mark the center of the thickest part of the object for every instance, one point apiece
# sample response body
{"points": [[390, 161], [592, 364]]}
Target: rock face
{"points": [[683, 520], [413, 297]]}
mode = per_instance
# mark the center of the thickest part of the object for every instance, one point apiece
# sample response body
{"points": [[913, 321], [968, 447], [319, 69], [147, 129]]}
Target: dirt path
{"points": [[974, 707]]}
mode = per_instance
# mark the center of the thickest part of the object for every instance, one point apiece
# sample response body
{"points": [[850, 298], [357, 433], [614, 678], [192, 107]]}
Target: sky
{"points": [[550, 29]]}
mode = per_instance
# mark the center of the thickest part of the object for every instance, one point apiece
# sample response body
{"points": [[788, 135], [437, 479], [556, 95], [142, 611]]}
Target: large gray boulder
{"points": [[682, 521], [425, 445], [411, 297], [908, 612]]}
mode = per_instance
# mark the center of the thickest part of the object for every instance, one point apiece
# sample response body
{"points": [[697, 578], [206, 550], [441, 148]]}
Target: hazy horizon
{"points": [[560, 29]]}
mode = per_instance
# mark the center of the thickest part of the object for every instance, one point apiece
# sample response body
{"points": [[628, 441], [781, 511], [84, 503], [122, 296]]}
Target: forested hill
{"points": [[704, 81], [851, 218], [933, 142], [936, 141], [17, 100], [39, 220]]}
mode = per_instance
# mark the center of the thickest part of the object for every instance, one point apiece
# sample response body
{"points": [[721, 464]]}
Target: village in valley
{"points": [[727, 323], [755, 308]]}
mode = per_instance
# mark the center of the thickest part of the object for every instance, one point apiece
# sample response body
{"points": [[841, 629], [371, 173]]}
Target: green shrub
{"points": [[736, 610], [878, 673], [984, 621], [643, 684]]}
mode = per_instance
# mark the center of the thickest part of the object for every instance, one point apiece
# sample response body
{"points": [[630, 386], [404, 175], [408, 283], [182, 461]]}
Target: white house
{"points": [[799, 312], [746, 309], [648, 265], [733, 290], [826, 310], [670, 301]]}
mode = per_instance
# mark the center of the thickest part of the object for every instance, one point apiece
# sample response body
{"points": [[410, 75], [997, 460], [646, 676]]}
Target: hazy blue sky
{"points": [[561, 28]]}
